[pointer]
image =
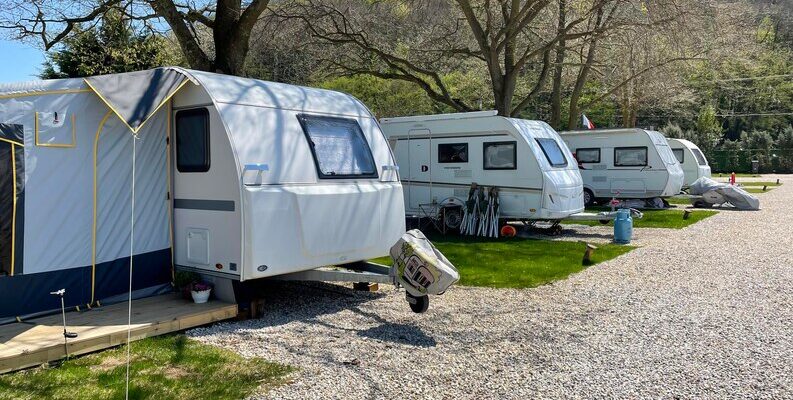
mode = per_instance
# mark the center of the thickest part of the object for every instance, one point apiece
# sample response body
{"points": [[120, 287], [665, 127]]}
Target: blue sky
{"points": [[20, 61]]}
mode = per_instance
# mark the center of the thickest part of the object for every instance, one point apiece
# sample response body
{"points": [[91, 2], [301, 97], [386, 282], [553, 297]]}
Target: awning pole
{"points": [[131, 254]]}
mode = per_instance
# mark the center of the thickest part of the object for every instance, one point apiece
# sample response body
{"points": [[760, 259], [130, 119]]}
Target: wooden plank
{"points": [[40, 340]]}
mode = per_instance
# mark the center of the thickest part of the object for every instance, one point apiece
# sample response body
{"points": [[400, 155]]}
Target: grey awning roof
{"points": [[135, 96]]}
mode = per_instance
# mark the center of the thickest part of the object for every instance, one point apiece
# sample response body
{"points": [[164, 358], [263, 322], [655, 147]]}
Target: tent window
{"points": [[588, 155], [453, 152], [552, 152], [700, 157], [339, 147], [500, 155], [192, 140], [55, 129], [630, 156]]}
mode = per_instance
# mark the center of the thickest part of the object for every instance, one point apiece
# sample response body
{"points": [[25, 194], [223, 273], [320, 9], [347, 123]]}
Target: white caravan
{"points": [[691, 159], [235, 178], [625, 164], [440, 156]]}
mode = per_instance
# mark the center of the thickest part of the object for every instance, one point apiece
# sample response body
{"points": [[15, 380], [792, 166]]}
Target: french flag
{"points": [[586, 123]]}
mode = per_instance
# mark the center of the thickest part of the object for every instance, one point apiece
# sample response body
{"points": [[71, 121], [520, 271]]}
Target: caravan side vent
{"points": [[599, 179], [462, 173]]}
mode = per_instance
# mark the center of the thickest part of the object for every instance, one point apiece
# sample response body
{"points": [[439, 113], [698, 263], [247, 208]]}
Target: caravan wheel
{"points": [[418, 304], [589, 198], [452, 217]]}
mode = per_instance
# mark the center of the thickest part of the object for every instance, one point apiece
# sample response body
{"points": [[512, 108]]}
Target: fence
{"points": [[770, 161]]}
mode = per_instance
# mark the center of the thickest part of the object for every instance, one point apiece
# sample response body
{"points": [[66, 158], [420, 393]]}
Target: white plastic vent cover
{"points": [[198, 246]]}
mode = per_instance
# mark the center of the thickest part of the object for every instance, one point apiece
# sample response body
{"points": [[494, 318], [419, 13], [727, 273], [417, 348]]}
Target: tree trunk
{"points": [[556, 91], [583, 73]]}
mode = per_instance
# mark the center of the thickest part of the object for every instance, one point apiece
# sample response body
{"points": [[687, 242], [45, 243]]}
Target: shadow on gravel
{"points": [[400, 334]]}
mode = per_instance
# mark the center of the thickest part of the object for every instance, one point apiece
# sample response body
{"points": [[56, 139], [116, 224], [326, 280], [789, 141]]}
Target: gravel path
{"points": [[664, 321]]}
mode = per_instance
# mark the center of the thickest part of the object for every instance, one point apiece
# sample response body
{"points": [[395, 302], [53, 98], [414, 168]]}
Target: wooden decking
{"points": [[40, 340]]}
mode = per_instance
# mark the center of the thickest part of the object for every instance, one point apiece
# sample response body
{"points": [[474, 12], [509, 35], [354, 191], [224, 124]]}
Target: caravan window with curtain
{"points": [[553, 153], [630, 156], [453, 152], [588, 155], [500, 155], [339, 147], [192, 140]]}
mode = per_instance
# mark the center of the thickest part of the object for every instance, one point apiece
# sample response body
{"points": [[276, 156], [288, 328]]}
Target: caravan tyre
{"points": [[452, 217], [418, 304], [589, 198]]}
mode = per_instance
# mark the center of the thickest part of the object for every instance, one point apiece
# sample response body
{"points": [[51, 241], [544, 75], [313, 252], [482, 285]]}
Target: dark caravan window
{"points": [[630, 156], [700, 157], [500, 155], [552, 152], [192, 140], [339, 147], [588, 155], [453, 152], [679, 155]]}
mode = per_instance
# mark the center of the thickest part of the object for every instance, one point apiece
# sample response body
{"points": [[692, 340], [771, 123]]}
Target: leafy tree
{"points": [[111, 47], [214, 35], [708, 129]]}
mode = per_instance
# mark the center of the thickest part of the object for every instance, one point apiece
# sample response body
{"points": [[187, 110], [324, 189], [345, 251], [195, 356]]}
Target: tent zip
{"points": [[13, 206], [93, 229]]}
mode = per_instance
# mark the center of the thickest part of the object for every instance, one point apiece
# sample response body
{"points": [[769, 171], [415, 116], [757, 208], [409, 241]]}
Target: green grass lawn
{"points": [[672, 219], [516, 263], [770, 184], [737, 174], [757, 189], [164, 367]]}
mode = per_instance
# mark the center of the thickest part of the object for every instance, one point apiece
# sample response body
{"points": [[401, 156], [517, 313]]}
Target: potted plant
{"points": [[184, 281], [200, 292]]}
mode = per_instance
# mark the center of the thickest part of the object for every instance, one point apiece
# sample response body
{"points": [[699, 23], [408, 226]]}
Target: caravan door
{"points": [[420, 161], [206, 206]]}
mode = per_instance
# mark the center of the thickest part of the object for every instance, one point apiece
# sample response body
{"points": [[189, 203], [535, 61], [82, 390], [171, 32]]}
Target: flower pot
{"points": [[200, 297]]}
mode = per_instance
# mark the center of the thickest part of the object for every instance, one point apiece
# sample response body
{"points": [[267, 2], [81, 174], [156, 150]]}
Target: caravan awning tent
{"points": [[66, 169]]}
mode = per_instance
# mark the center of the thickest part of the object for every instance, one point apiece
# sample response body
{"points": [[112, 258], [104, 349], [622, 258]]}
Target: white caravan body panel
{"points": [[285, 217], [691, 159], [529, 186], [625, 163]]}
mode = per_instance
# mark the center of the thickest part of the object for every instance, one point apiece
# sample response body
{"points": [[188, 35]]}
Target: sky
{"points": [[19, 61]]}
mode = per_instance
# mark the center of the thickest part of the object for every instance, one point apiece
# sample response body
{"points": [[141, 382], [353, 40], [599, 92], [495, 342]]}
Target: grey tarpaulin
{"points": [[736, 196], [135, 96]]}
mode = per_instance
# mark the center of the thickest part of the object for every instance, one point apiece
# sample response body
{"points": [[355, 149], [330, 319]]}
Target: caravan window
{"points": [[630, 156], [700, 157], [588, 155], [500, 155], [192, 140], [679, 155], [552, 152], [453, 152], [339, 147]]}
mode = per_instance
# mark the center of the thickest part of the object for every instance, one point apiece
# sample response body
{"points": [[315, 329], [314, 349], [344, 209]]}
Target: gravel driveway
{"points": [[667, 320]]}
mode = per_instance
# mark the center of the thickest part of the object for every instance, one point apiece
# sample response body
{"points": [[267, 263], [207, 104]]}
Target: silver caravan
{"points": [[691, 159], [235, 178], [625, 164], [440, 156]]}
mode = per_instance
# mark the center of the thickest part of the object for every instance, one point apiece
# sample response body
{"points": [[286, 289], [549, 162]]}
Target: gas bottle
{"points": [[623, 226]]}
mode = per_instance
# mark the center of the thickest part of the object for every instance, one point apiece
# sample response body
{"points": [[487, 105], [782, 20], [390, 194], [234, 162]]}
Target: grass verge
{"points": [[516, 262], [163, 367], [671, 219]]}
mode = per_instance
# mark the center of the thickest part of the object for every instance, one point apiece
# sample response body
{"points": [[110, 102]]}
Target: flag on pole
{"points": [[586, 123]]}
